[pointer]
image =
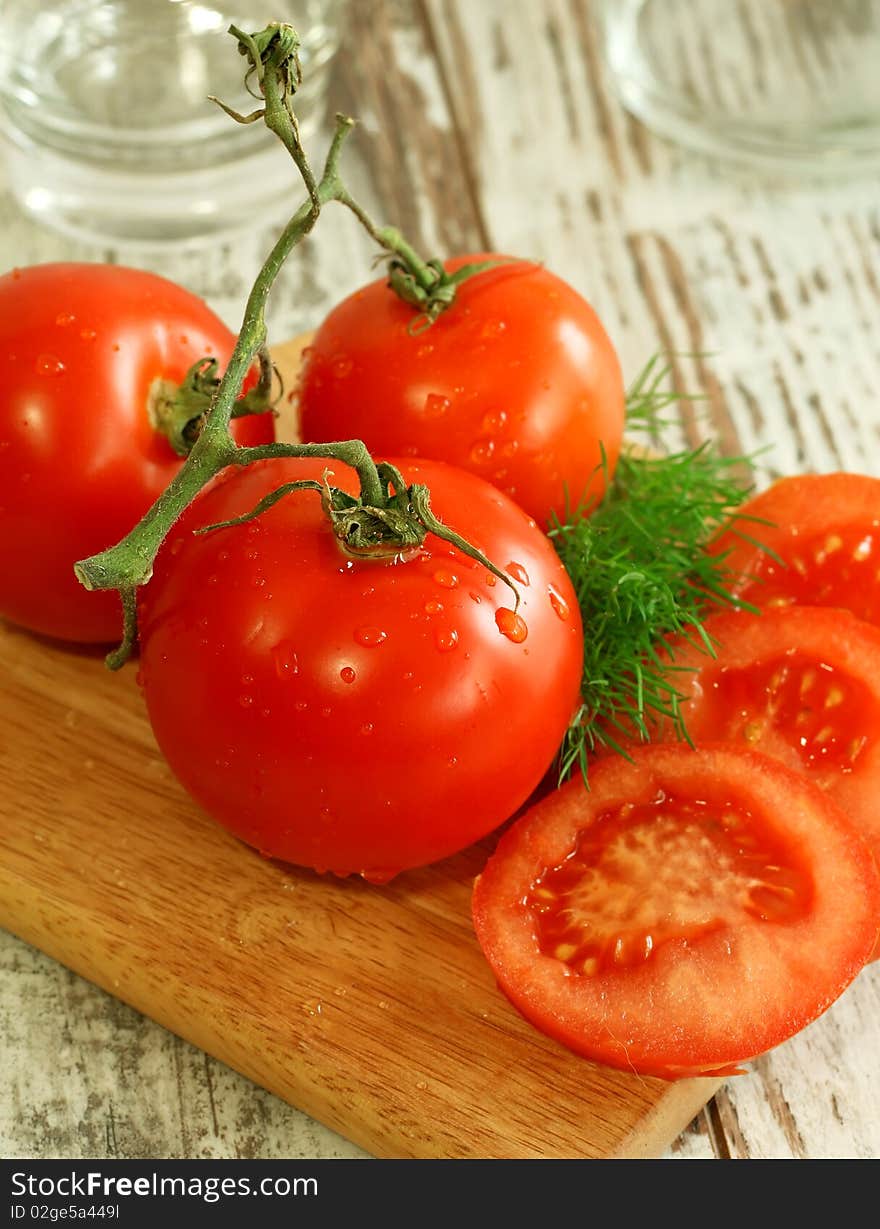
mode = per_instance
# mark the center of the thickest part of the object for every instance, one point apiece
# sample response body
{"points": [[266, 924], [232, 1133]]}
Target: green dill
{"points": [[641, 573]]}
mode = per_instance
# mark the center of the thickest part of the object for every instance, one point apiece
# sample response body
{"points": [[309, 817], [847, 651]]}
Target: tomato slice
{"points": [[687, 912], [802, 684], [819, 547]]}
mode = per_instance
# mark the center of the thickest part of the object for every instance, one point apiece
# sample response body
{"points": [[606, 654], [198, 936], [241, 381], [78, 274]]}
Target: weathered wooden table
{"points": [[488, 124]]}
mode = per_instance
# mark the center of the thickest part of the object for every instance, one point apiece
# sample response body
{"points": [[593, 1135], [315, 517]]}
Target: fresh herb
{"points": [[641, 573]]}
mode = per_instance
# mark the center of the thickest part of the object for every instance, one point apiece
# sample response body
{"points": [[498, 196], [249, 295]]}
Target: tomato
{"points": [[686, 913], [822, 540], [517, 382], [357, 715], [801, 684], [80, 462]]}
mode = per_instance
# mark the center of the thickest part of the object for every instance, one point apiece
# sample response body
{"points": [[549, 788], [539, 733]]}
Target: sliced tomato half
{"points": [[800, 683], [687, 912], [814, 540]]}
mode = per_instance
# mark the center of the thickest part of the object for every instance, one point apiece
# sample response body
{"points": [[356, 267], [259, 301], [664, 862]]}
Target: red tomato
{"points": [[801, 684], [357, 715], [80, 461], [824, 534], [517, 382], [687, 912]]}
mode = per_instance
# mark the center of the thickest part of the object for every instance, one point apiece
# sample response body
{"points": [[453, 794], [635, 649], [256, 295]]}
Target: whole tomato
{"points": [[517, 382], [82, 347], [357, 715]]}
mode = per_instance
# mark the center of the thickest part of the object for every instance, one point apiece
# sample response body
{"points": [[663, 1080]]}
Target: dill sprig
{"points": [[641, 573]]}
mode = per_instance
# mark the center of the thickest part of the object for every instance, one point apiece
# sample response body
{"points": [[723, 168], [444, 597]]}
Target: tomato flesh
{"points": [[823, 710], [690, 910], [800, 683], [517, 382], [628, 886], [822, 545]]}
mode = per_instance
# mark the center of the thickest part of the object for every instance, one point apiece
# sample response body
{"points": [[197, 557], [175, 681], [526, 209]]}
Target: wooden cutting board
{"points": [[371, 1009]]}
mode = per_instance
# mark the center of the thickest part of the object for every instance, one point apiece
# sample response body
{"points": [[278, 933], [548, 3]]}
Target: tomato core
{"points": [[670, 869], [821, 710]]}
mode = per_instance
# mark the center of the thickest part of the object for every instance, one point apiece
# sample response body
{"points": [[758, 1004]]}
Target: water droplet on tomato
{"points": [[559, 604], [245, 701], [370, 637], [48, 365], [482, 452], [435, 405], [342, 368], [88, 334], [184, 339], [367, 728], [446, 638], [286, 662], [518, 572], [511, 625], [379, 877], [494, 421], [433, 608], [492, 328], [65, 318], [447, 579], [475, 597], [491, 580], [347, 674], [246, 680]]}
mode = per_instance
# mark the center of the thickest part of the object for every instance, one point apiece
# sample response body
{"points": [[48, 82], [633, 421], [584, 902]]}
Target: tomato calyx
{"points": [[389, 519], [429, 286], [179, 411]]}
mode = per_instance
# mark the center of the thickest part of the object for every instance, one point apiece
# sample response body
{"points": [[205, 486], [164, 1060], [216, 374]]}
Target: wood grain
{"points": [[372, 1010]]}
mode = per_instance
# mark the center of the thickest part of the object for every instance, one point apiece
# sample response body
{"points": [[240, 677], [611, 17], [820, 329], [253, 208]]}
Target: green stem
{"points": [[350, 452], [375, 522]]}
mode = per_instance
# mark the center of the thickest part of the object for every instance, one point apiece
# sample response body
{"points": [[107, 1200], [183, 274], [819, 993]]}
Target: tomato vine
{"points": [[391, 520]]}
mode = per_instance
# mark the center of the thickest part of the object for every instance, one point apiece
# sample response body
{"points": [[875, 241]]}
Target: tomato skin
{"points": [[822, 534], [80, 463], [517, 382], [697, 1004], [356, 715], [801, 684]]}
